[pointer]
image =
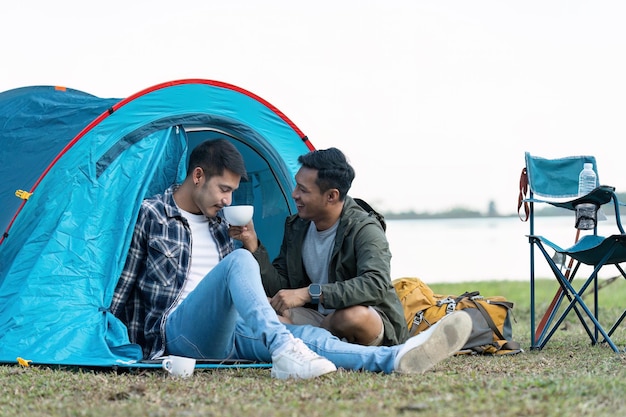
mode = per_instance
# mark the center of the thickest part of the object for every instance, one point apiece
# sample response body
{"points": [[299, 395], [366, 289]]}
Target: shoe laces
{"points": [[300, 351]]}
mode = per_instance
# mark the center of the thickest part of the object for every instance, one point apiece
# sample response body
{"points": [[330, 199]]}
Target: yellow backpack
{"points": [[491, 316]]}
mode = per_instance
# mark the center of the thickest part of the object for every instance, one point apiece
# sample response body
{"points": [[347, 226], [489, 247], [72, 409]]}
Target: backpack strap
{"points": [[369, 210], [468, 294], [501, 347], [506, 344], [507, 304], [511, 345], [489, 320]]}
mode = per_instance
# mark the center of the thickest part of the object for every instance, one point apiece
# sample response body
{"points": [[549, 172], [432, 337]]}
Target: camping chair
{"points": [[555, 182]]}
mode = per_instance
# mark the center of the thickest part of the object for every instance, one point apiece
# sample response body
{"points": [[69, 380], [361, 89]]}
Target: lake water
{"points": [[457, 250]]}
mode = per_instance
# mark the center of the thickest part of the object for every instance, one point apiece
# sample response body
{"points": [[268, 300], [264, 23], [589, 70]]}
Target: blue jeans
{"points": [[227, 316]]}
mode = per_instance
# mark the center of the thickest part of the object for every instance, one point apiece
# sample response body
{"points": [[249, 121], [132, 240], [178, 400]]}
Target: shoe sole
{"points": [[287, 375], [448, 336]]}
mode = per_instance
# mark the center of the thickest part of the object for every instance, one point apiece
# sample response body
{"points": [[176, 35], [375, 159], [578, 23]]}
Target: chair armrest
{"points": [[599, 196]]}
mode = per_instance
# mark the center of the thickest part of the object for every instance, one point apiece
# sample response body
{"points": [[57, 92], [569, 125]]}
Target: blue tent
{"points": [[74, 169]]}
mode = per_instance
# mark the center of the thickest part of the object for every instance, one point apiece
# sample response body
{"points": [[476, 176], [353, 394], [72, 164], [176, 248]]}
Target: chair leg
{"points": [[576, 301], [553, 305], [623, 315], [617, 323], [598, 328], [571, 306]]}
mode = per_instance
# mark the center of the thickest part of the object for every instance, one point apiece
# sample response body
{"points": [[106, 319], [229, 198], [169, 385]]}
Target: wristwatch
{"points": [[315, 291]]}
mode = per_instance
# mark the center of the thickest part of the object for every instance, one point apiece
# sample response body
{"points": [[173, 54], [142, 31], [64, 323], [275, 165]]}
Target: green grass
{"points": [[567, 377]]}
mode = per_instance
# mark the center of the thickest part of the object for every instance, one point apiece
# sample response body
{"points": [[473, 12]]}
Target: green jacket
{"points": [[359, 272]]}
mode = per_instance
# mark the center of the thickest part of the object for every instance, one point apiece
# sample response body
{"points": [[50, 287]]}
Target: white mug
{"points": [[179, 366]]}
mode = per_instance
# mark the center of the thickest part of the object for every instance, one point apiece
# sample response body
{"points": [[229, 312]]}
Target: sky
{"points": [[434, 102]]}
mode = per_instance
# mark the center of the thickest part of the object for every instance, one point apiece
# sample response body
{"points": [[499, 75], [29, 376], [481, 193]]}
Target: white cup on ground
{"points": [[179, 366], [238, 215]]}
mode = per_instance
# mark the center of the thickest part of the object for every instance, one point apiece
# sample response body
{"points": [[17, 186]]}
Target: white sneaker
{"points": [[442, 340], [298, 361]]}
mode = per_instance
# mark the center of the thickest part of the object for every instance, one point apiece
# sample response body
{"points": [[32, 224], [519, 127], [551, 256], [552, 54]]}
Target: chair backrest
{"points": [[556, 178]]}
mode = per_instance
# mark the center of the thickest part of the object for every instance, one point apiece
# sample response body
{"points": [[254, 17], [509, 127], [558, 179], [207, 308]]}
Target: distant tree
{"points": [[492, 211]]}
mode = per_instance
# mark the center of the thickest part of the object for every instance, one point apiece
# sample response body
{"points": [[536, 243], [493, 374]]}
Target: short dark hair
{"points": [[216, 155], [333, 169]]}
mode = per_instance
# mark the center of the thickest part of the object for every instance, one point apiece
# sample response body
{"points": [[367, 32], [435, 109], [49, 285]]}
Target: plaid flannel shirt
{"points": [[156, 269]]}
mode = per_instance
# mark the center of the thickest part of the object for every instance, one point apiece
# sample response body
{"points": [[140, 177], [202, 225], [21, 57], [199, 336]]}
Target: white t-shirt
{"points": [[204, 253], [316, 250]]}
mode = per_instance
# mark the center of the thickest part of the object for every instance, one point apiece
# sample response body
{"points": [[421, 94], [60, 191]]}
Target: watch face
{"points": [[315, 290]]}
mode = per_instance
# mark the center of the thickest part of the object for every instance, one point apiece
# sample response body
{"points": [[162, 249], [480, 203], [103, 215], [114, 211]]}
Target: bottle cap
{"points": [[588, 165]]}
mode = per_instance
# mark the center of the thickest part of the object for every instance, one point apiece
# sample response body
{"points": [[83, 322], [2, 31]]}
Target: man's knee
{"points": [[354, 315], [242, 257], [358, 324]]}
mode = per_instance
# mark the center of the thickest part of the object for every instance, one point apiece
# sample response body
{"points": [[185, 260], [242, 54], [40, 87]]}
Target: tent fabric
{"points": [[36, 124], [88, 163]]}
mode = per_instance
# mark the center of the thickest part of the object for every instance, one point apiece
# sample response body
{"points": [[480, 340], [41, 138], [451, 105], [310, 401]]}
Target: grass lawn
{"points": [[567, 377]]}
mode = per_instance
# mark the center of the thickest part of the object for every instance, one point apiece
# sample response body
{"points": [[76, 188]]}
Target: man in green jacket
{"points": [[333, 269]]}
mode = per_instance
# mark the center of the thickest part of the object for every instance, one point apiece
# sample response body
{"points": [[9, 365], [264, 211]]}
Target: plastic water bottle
{"points": [[586, 213], [586, 180]]}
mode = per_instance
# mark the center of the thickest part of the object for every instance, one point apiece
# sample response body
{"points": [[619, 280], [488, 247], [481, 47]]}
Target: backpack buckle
{"points": [[451, 304], [418, 318]]}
